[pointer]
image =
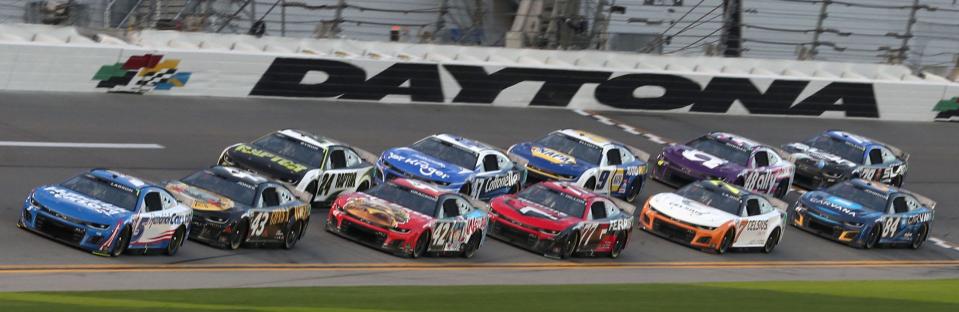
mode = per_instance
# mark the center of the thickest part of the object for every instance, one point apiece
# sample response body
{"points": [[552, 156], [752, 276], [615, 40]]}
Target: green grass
{"points": [[928, 295]]}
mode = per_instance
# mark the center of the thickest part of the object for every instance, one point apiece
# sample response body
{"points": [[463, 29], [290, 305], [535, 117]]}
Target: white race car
{"points": [[711, 214]]}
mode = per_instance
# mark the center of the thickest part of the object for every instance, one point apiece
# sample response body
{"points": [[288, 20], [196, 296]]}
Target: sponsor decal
{"points": [[486, 185], [285, 163], [552, 156], [763, 181], [141, 74], [377, 212], [336, 181], [99, 206], [426, 169], [450, 236], [424, 83], [706, 160], [884, 175], [947, 109], [837, 204]]}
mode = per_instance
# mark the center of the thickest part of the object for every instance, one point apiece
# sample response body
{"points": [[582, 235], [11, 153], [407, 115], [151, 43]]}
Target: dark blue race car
{"points": [[866, 214], [107, 213], [834, 156]]}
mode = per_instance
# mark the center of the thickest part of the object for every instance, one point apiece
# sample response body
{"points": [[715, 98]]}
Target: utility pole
{"points": [[440, 18], [732, 38], [819, 29], [594, 31], [901, 54], [338, 17], [283, 18]]}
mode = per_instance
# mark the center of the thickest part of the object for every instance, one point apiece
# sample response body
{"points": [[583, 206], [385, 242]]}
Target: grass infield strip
{"points": [[925, 295]]}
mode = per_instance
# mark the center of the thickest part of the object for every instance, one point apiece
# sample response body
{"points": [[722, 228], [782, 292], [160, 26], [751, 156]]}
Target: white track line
{"points": [[942, 244], [80, 145]]}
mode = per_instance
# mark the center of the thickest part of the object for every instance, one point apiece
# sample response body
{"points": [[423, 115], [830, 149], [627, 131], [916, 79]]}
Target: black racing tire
{"points": [[772, 241], [175, 242], [122, 243], [634, 191], [363, 186], [569, 246], [920, 237], [239, 236], [590, 184], [472, 245], [727, 242], [782, 190], [872, 240], [422, 246], [618, 246], [466, 189], [293, 236]]}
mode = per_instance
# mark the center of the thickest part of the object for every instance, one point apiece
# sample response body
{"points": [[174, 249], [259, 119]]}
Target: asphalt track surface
{"points": [[194, 130]]}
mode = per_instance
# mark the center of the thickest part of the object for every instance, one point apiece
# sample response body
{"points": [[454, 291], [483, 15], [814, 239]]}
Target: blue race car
{"points": [[588, 160], [107, 213], [454, 164], [866, 214], [834, 156]]}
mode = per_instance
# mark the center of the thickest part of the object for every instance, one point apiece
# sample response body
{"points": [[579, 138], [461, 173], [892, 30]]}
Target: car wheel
{"points": [[569, 246], [772, 241], [422, 245], [727, 242], [783, 189], [872, 240], [175, 242], [920, 237], [122, 242], [239, 236], [472, 245], [618, 246], [590, 184], [466, 189], [292, 236], [363, 186], [634, 191]]}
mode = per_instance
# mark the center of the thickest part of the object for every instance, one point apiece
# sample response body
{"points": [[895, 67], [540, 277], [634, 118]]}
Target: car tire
{"points": [[782, 190], [872, 240], [293, 235], [422, 246], [727, 242], [239, 236], [363, 186], [772, 241], [121, 244], [618, 246], [466, 189], [920, 237], [634, 190], [472, 245], [175, 242], [569, 246]]}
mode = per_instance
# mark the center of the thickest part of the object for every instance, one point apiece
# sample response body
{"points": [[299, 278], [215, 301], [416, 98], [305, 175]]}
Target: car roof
{"points": [[736, 140], [874, 186], [236, 174], [309, 138], [121, 179], [468, 144], [851, 138], [588, 137], [570, 189]]}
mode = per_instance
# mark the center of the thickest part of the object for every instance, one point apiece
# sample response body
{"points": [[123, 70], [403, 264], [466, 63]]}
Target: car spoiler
{"points": [[625, 206], [895, 150], [925, 201]]}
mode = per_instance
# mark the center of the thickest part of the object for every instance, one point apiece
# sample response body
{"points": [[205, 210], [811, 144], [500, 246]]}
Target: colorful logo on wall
{"points": [[948, 109], [141, 74]]}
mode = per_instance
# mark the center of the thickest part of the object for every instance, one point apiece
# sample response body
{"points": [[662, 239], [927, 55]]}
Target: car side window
{"points": [[152, 202], [597, 210], [490, 163], [627, 156], [899, 204], [887, 156], [875, 157], [765, 206], [270, 197], [169, 202], [337, 159], [613, 157], [453, 207], [611, 210], [504, 162], [752, 207], [285, 196], [352, 159], [761, 159]]}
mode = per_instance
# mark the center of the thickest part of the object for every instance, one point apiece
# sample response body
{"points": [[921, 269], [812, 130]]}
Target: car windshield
{"points": [[237, 191], [712, 197], [406, 197], [580, 149], [722, 150], [446, 152], [555, 200], [862, 195], [301, 152], [846, 150], [104, 191]]}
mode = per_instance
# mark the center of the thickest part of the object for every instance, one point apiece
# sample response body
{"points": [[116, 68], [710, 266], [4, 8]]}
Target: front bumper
{"points": [[811, 177], [679, 231], [354, 229], [814, 223], [209, 232], [45, 222], [524, 237]]}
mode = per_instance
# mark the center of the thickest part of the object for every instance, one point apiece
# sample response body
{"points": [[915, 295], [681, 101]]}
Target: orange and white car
{"points": [[716, 215]]}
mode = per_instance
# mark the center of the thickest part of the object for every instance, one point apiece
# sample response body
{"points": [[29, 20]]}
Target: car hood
{"points": [[424, 167], [551, 160], [382, 213], [689, 211], [532, 214], [267, 163], [199, 199], [726, 170], [821, 158], [836, 207], [77, 206]]}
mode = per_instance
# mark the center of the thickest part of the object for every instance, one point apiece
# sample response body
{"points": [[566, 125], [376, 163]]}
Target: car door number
{"points": [[708, 161]]}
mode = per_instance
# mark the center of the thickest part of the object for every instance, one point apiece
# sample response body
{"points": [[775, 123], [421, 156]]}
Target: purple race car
{"points": [[731, 158]]}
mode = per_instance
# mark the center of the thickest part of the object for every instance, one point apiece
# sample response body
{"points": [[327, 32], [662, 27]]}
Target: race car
{"points": [[866, 214], [319, 166], [561, 220], [593, 162], [107, 213], [408, 217], [454, 164], [715, 215], [836, 156], [232, 207], [727, 157]]}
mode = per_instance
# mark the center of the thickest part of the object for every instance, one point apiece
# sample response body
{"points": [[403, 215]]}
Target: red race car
{"points": [[411, 218], [560, 220]]}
